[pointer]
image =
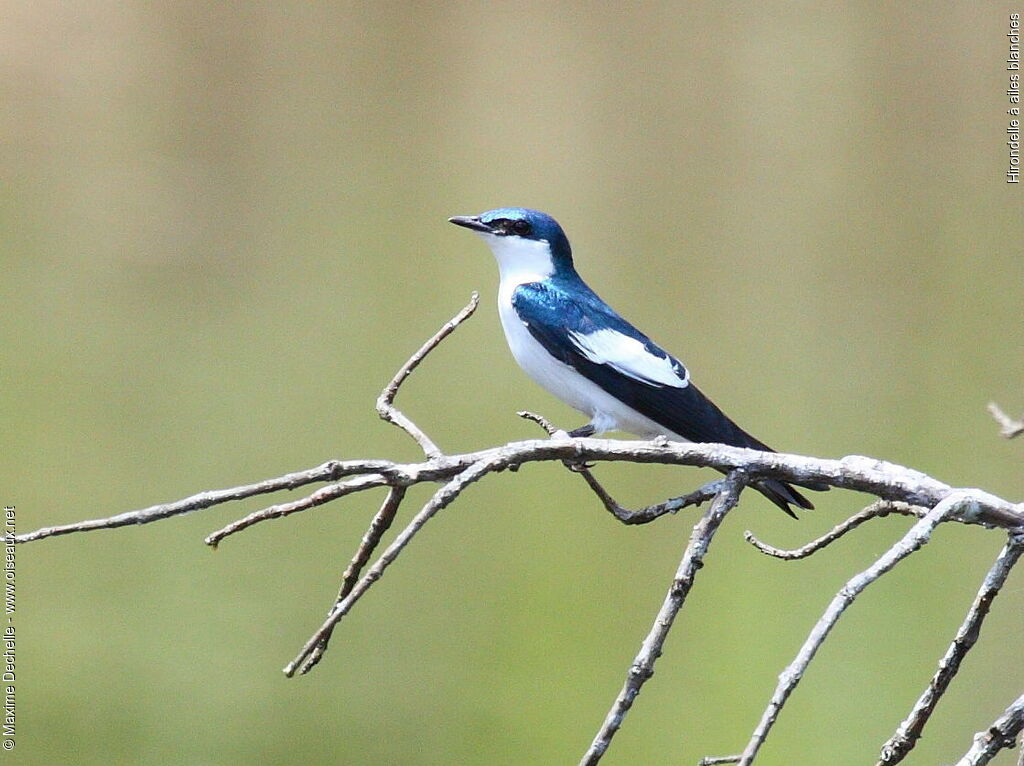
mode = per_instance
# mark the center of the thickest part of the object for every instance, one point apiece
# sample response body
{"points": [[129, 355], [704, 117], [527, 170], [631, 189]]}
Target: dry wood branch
{"points": [[885, 480], [329, 471], [321, 496], [918, 535], [901, 743], [718, 760], [441, 499], [1008, 427], [626, 516], [371, 539], [899, 489], [1000, 735], [385, 402], [643, 665], [651, 512], [877, 510]]}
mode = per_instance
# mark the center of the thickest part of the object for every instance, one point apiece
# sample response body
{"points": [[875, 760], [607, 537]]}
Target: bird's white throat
{"points": [[520, 260]]}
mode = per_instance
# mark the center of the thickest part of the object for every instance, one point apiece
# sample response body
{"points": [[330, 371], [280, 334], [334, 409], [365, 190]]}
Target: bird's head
{"points": [[522, 240]]}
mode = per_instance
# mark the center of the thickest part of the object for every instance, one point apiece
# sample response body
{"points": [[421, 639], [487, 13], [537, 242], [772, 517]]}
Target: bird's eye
{"points": [[521, 227]]}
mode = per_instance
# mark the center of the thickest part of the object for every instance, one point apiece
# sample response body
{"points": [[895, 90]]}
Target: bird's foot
{"points": [[578, 466]]}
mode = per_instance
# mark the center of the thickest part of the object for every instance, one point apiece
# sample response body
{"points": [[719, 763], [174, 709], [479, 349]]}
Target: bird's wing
{"points": [[580, 330]]}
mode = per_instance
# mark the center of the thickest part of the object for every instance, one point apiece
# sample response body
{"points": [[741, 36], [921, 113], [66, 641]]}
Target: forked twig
{"points": [[371, 539], [321, 496], [906, 736], [329, 471], [651, 512], [912, 541], [625, 515], [441, 499], [876, 510], [385, 402], [643, 664], [885, 480]]}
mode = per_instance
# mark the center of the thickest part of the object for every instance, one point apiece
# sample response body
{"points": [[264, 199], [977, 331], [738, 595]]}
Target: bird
{"points": [[572, 343]]}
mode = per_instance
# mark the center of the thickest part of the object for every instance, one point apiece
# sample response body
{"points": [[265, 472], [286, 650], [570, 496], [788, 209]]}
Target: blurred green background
{"points": [[224, 229]]}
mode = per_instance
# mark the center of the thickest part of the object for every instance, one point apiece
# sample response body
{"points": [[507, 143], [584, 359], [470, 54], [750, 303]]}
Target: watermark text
{"points": [[7, 634], [1013, 93]]}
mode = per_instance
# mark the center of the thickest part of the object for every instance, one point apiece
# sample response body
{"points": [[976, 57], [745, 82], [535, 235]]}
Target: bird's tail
{"points": [[784, 495]]}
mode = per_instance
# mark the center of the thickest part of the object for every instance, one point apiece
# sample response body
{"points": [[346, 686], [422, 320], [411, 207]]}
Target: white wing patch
{"points": [[629, 357]]}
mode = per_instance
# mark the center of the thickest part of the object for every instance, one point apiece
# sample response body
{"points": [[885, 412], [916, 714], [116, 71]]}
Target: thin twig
{"points": [[642, 667], [623, 514], [912, 541], [651, 512], [385, 402], [540, 420], [876, 510], [906, 736], [1008, 427], [999, 736], [441, 499], [378, 526], [321, 496], [718, 760], [329, 471]]}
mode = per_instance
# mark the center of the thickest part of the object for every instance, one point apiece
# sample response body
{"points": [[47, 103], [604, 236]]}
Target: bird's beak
{"points": [[472, 222]]}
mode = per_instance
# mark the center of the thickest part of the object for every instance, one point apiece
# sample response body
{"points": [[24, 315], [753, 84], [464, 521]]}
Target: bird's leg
{"points": [[581, 433]]}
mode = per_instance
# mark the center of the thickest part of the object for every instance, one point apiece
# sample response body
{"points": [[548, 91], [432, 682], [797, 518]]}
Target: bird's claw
{"points": [[578, 466]]}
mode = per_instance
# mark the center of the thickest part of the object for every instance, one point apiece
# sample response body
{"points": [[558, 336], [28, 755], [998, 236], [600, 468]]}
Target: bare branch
{"points": [[441, 499], [385, 402], [876, 510], [321, 496], [901, 743], [882, 479], [1008, 427], [626, 516], [540, 420], [912, 541], [719, 760], [378, 526], [643, 664], [899, 489], [651, 512], [329, 471], [999, 736]]}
